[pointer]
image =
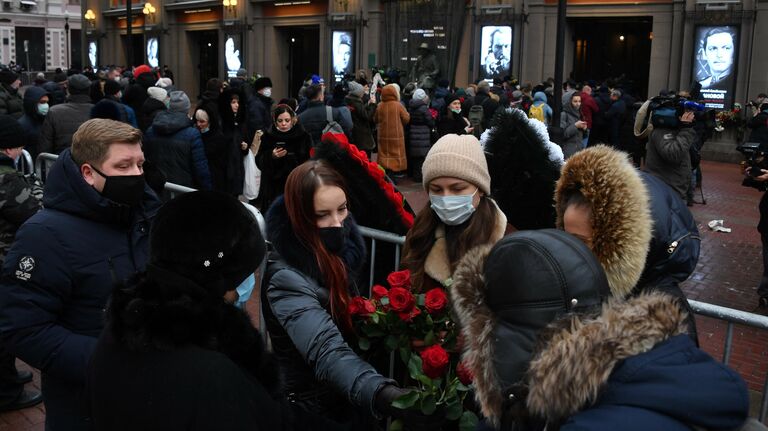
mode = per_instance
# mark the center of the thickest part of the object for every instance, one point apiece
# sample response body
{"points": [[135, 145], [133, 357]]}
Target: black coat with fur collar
{"points": [[320, 369]]}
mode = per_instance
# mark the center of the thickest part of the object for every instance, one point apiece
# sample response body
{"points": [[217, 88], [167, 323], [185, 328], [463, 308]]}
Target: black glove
{"points": [[412, 419]]}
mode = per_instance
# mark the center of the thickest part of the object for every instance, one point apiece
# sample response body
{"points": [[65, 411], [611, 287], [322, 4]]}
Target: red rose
{"points": [[379, 292], [434, 361], [408, 316], [400, 279], [435, 300], [401, 300], [360, 306], [464, 374]]}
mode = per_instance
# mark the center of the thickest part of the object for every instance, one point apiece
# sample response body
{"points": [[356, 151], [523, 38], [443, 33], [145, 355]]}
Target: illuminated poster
{"points": [[495, 51], [152, 52], [93, 54], [714, 64], [232, 54], [342, 49]]}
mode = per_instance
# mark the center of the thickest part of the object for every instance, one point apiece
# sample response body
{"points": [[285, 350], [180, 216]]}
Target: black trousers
{"points": [[10, 389]]}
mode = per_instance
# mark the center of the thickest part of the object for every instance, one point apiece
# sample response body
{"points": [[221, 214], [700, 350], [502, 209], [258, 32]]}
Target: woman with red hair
{"points": [[310, 278]]}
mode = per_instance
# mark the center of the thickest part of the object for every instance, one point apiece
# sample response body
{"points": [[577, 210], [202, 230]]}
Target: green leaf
{"points": [[426, 381], [385, 301], [420, 300], [405, 354], [391, 342], [414, 367], [468, 421], [428, 405], [462, 387], [453, 410], [430, 339], [429, 320], [375, 318], [396, 425], [406, 401], [364, 343]]}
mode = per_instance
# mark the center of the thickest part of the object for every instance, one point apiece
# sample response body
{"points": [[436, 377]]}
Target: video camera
{"points": [[755, 161], [666, 111]]}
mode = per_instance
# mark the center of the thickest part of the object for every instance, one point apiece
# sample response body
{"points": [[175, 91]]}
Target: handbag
{"points": [[252, 182]]}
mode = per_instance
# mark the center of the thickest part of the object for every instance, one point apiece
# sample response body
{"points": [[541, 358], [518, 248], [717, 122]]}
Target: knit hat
{"points": [[457, 156], [141, 69], [419, 94], [449, 98], [7, 77], [11, 133], [242, 73], [317, 80], [261, 83], [179, 102], [78, 83], [157, 93], [483, 86], [356, 89], [111, 87], [164, 82]]}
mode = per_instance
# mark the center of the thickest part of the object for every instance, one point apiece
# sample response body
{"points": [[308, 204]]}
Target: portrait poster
{"points": [[232, 57], [342, 52], [495, 51], [714, 64], [93, 54], [153, 52]]}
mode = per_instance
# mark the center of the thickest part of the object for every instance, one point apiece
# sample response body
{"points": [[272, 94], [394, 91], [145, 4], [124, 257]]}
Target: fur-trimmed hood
{"points": [[621, 219], [437, 264]]}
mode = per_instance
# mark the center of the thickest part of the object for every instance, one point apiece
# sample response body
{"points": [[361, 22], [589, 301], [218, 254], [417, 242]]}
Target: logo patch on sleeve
{"points": [[26, 265]]}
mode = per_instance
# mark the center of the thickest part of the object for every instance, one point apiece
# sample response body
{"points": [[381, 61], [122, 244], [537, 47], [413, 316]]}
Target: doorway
{"points": [[137, 48], [30, 47], [303, 59], [206, 54], [611, 48]]}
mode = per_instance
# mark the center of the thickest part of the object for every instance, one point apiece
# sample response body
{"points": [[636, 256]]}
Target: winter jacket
{"points": [[759, 126], [274, 172], [668, 157], [58, 276], [217, 152], [451, 123], [314, 119], [20, 198], [147, 113], [62, 122], [259, 110], [572, 136], [588, 108], [136, 93], [176, 148], [637, 220], [614, 117], [109, 107], [320, 370], [32, 121], [10, 101], [420, 129], [57, 95], [212, 373], [540, 99], [391, 119], [235, 130], [438, 99], [362, 122]]}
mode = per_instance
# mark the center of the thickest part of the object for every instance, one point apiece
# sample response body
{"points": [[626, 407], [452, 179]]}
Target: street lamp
{"points": [[66, 34], [149, 11], [90, 17], [231, 6]]}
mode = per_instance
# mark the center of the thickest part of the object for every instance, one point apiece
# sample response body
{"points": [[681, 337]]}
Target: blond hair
{"points": [[90, 144]]}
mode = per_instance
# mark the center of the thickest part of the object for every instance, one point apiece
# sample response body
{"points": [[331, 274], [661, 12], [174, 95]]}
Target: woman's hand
{"points": [[243, 145], [279, 152]]}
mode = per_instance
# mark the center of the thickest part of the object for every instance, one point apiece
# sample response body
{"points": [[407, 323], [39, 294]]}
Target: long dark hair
{"points": [[300, 188], [460, 239]]}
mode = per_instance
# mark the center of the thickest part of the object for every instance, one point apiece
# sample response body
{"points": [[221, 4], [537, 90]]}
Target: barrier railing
{"points": [[730, 316]]}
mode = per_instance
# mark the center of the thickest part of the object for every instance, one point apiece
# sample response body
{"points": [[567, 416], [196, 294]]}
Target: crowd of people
{"points": [[132, 304]]}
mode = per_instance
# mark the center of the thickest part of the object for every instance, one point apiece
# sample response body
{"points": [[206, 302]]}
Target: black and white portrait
{"points": [[152, 52], [342, 44], [232, 54], [93, 54], [495, 51], [714, 65]]}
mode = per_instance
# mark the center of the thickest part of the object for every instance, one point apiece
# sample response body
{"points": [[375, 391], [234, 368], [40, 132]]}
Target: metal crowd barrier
{"points": [[729, 315]]}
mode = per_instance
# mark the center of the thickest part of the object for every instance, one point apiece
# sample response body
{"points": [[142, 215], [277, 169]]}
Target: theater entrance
{"points": [[302, 46], [611, 48]]}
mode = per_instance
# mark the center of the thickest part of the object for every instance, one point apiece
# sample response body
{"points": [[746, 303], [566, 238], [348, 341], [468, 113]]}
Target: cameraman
{"points": [[668, 153], [759, 125]]}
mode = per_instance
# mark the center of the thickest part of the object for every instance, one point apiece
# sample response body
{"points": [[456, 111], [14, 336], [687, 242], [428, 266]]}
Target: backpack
{"points": [[332, 125], [537, 113]]}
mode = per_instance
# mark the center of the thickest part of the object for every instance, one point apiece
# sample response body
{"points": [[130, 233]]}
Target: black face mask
{"points": [[333, 238], [123, 189]]}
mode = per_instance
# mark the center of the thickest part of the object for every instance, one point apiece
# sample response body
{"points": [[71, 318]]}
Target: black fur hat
{"points": [[205, 237]]}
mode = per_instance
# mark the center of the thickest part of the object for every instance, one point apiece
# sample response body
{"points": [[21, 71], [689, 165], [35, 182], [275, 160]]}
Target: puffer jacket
{"points": [[315, 117], [32, 121], [10, 102], [636, 221], [420, 128], [320, 370], [62, 122], [668, 157], [628, 366], [58, 276], [176, 148], [20, 198], [759, 126], [362, 122], [391, 118], [572, 136]]}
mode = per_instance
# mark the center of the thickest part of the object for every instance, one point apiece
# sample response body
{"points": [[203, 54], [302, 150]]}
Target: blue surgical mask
{"points": [[244, 291], [453, 210], [42, 108], [206, 130]]}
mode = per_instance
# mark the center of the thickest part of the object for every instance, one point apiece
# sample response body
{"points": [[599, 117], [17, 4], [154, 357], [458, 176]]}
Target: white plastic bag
{"points": [[252, 182]]}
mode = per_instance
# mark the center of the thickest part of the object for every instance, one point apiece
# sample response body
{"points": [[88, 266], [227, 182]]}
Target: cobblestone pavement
{"points": [[727, 274]]}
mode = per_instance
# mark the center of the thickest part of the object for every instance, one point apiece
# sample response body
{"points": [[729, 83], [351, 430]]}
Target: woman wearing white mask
{"points": [[460, 217]]}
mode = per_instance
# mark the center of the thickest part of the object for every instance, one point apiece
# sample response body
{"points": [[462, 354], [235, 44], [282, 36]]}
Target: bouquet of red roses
{"points": [[420, 330]]}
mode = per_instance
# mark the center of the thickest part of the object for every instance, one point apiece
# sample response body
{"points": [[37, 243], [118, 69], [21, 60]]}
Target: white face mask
{"points": [[453, 210], [267, 92]]}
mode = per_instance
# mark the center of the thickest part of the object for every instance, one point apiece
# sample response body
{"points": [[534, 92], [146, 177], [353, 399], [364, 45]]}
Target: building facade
{"points": [[656, 44], [41, 35]]}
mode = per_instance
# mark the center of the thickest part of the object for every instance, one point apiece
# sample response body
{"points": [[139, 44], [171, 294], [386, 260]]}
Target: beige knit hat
{"points": [[457, 156]]}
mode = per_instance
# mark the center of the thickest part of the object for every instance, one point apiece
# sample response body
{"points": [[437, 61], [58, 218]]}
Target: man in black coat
{"points": [[63, 120], [260, 107], [59, 273], [615, 117]]}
